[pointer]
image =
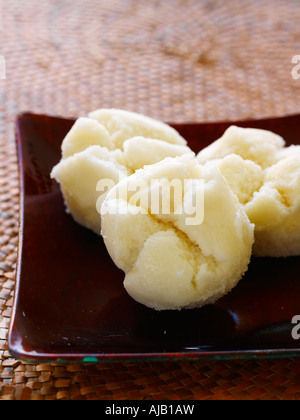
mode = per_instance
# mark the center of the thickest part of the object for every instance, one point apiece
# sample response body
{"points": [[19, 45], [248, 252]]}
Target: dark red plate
{"points": [[70, 304]]}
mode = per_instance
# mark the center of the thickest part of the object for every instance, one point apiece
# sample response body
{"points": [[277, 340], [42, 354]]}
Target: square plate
{"points": [[70, 304]]}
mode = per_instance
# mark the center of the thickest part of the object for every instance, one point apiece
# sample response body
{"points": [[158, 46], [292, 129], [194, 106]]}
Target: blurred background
{"points": [[175, 60]]}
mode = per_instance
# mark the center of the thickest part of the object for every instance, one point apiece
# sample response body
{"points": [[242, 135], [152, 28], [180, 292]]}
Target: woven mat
{"points": [[176, 60]]}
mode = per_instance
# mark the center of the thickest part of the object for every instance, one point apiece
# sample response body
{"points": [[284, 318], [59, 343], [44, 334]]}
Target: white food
{"points": [[109, 144], [168, 263], [265, 175]]}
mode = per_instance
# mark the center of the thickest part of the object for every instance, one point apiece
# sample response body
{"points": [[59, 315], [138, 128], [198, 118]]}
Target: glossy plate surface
{"points": [[70, 304]]}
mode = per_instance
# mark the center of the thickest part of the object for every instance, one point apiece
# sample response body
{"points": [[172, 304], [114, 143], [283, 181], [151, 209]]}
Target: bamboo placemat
{"points": [[175, 60]]}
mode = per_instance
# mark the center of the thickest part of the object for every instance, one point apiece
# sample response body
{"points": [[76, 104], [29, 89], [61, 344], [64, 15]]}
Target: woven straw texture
{"points": [[175, 60]]}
